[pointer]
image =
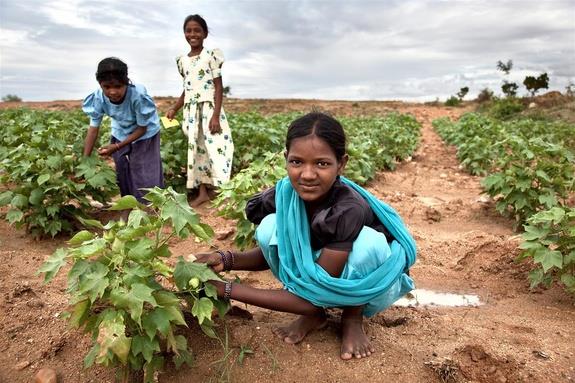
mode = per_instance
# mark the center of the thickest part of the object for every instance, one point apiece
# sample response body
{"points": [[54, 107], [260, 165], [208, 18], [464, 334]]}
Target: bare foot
{"points": [[202, 197], [296, 331], [355, 342], [199, 200]]}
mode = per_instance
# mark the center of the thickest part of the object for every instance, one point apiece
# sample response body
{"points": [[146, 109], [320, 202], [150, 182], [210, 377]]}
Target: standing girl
{"points": [[135, 142], [210, 145], [330, 242]]}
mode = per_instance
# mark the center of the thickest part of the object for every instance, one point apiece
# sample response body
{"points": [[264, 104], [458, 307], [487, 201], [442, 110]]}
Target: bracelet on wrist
{"points": [[228, 290], [117, 146], [227, 259]]}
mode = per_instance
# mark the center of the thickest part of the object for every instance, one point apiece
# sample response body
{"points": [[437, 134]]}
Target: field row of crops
{"points": [[48, 185], [529, 169], [123, 291]]}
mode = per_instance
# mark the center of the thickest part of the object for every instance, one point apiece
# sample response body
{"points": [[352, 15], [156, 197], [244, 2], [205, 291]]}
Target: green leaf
{"points": [[535, 277], [533, 232], [80, 238], [14, 215], [77, 270], [182, 354], [91, 356], [492, 180], [19, 201], [53, 264], [569, 258], [156, 364], [145, 346], [141, 249], [43, 178], [112, 336], [92, 248], [222, 306], [541, 174], [93, 282], [136, 274], [133, 299], [180, 213], [166, 298], [138, 295], [548, 259], [186, 270], [156, 320], [530, 245], [90, 222], [548, 200], [36, 197], [79, 313], [126, 202], [6, 197], [203, 231], [210, 290], [175, 315], [202, 309], [209, 331], [98, 180], [568, 280]]}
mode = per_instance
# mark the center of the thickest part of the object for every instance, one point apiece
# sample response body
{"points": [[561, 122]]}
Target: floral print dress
{"points": [[209, 155]]}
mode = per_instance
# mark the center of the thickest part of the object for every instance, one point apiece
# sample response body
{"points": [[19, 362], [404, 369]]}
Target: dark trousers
{"points": [[139, 165]]}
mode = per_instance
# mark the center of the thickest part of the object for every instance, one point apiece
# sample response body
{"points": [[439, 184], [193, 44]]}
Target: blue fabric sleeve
{"points": [[92, 106], [145, 110]]}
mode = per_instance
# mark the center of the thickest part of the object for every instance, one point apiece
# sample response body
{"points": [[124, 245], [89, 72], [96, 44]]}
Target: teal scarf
{"points": [[301, 275]]}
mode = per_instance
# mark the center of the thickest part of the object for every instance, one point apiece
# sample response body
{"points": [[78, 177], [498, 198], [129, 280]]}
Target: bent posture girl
{"points": [[329, 241]]}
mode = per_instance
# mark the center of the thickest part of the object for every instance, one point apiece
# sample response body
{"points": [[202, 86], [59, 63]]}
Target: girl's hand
{"points": [[213, 260], [171, 114], [107, 150], [215, 127]]}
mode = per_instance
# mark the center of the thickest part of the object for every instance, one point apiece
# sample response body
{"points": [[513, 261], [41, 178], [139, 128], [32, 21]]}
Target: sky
{"points": [[412, 50]]}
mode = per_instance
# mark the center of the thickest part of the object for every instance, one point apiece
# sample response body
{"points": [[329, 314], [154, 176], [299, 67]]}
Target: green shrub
{"points": [[126, 296], [452, 101], [549, 241]]}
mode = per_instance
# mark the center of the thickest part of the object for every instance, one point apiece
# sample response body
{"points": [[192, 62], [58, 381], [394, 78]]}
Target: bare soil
{"points": [[515, 335]]}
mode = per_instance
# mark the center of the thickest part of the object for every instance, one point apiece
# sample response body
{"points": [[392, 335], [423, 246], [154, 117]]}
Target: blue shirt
{"points": [[137, 109]]}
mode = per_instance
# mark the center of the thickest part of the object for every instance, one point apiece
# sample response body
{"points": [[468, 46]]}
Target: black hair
{"points": [[321, 125], [198, 19], [112, 68]]}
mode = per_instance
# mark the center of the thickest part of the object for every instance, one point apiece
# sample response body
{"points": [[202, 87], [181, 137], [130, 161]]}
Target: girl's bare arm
{"points": [[174, 109], [279, 300], [90, 140]]}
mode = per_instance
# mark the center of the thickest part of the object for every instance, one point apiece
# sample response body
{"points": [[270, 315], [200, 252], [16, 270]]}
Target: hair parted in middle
{"points": [[321, 125]]}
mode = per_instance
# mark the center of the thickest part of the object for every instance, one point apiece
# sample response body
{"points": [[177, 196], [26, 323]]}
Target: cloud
{"points": [[416, 50]]}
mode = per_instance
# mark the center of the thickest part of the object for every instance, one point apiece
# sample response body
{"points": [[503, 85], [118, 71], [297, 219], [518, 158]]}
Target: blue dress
{"points": [[381, 248]]}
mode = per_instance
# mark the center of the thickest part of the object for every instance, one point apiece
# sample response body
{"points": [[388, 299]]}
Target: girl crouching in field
{"points": [[331, 243], [135, 141]]}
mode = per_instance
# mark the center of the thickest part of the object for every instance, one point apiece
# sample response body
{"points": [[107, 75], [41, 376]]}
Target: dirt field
{"points": [[465, 247]]}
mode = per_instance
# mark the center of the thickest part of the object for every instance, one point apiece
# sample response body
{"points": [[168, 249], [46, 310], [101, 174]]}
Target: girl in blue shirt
{"points": [[135, 141]]}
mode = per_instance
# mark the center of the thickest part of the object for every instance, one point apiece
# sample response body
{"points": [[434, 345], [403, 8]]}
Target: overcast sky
{"points": [[350, 50]]}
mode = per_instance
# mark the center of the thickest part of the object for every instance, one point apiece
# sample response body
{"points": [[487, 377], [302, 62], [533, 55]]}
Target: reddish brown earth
{"points": [[515, 335]]}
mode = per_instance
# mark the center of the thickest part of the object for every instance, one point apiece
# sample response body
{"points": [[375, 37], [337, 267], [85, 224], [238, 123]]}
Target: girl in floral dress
{"points": [[210, 145]]}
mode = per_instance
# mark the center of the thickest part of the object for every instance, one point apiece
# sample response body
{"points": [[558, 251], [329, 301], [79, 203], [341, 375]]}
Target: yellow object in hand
{"points": [[169, 123]]}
